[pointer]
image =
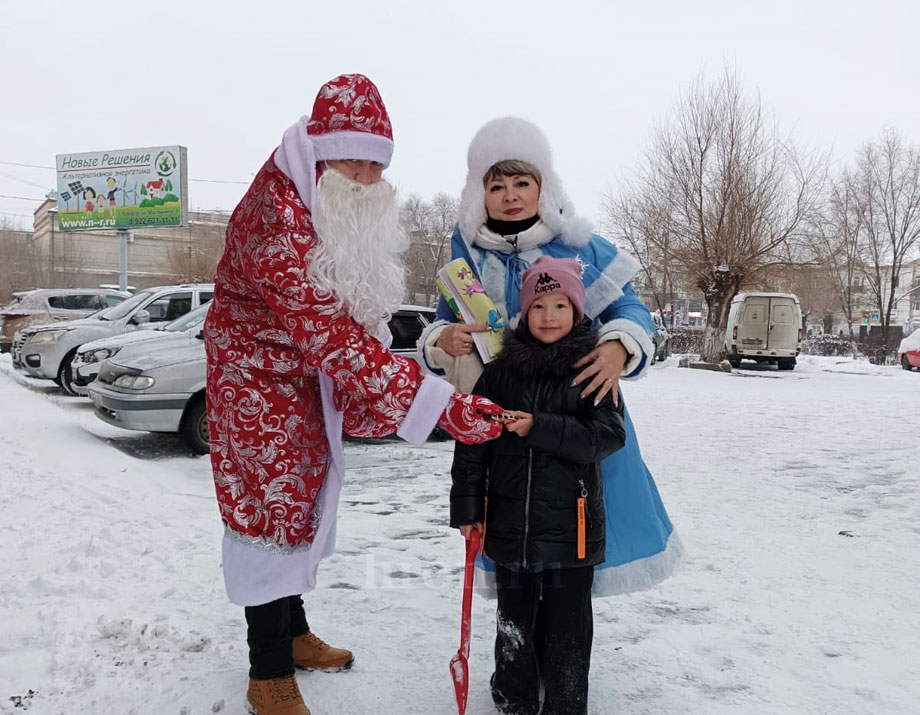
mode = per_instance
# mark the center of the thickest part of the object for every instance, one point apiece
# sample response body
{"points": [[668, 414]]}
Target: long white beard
{"points": [[358, 257]]}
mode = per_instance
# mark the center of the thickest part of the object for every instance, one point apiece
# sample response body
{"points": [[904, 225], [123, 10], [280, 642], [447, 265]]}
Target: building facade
{"points": [[50, 258]]}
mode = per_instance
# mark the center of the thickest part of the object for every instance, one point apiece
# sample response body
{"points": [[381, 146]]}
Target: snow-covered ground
{"points": [[797, 496]]}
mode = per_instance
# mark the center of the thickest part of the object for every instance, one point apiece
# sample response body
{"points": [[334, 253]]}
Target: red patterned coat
{"points": [[269, 337]]}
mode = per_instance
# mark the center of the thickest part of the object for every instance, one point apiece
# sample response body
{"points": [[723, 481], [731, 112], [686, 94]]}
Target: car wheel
{"points": [[65, 375], [905, 363], [735, 363], [195, 426], [785, 364]]}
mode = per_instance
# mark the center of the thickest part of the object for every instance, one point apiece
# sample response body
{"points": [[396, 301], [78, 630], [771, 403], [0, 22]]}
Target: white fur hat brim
{"points": [[513, 138]]}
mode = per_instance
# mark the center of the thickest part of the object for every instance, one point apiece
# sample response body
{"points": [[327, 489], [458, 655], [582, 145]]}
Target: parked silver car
{"points": [[51, 305], [85, 365], [46, 351], [162, 389], [661, 339]]}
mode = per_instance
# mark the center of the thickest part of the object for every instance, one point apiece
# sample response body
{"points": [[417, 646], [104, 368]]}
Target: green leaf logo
{"points": [[165, 163]]}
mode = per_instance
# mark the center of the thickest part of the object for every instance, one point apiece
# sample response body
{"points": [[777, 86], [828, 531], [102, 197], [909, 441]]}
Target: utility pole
{"points": [[52, 219], [122, 259]]}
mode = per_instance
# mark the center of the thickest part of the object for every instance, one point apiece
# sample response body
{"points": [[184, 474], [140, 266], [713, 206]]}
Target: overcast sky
{"points": [[226, 78]]}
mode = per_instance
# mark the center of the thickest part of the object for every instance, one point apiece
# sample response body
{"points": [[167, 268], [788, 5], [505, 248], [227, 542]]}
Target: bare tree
{"points": [[631, 220], [429, 226], [732, 189], [195, 259], [20, 261], [887, 181], [834, 238], [71, 261], [812, 284]]}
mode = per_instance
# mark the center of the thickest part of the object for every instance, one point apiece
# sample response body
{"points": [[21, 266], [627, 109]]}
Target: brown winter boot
{"points": [[278, 696], [311, 653]]}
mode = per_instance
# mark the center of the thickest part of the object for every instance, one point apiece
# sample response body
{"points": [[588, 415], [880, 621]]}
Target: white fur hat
{"points": [[512, 138]]}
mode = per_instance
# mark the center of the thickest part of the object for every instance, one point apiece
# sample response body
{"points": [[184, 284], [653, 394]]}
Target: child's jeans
{"points": [[548, 639]]}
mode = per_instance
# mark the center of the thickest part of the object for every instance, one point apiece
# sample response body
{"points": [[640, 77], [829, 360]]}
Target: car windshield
{"points": [[123, 309], [102, 314], [189, 320]]}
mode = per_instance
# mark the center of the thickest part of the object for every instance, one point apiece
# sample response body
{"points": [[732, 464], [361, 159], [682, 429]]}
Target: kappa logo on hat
{"points": [[546, 284]]}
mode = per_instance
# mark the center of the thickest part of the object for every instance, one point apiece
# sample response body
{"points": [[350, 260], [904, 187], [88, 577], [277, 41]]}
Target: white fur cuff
{"points": [[634, 339], [632, 348], [426, 409], [431, 358]]}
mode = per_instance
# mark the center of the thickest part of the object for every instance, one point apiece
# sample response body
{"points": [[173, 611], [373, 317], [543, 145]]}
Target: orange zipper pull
{"points": [[581, 520]]}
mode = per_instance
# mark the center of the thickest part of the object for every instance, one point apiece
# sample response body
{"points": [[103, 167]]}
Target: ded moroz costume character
{"points": [[297, 351]]}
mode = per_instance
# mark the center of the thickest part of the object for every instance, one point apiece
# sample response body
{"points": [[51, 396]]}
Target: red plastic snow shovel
{"points": [[459, 664]]}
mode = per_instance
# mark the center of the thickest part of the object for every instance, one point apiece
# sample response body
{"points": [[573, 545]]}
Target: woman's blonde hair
{"points": [[512, 167]]}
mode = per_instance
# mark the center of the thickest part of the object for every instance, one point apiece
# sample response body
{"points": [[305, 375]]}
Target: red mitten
{"points": [[466, 419]]}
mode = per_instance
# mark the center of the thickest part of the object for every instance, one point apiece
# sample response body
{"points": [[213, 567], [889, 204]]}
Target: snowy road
{"points": [[797, 497]]}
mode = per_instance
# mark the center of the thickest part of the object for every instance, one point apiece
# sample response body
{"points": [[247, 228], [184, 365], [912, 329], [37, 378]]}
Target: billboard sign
{"points": [[122, 189]]}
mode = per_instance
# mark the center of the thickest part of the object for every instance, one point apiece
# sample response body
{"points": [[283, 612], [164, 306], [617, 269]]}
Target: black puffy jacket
{"points": [[533, 483]]}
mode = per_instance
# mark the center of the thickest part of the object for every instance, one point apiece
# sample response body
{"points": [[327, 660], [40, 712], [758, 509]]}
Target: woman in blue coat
{"points": [[512, 211]]}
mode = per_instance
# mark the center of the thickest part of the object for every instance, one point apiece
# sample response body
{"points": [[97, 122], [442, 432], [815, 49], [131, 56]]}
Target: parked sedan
{"points": [[909, 351], [52, 305], [163, 389], [47, 351], [85, 364]]}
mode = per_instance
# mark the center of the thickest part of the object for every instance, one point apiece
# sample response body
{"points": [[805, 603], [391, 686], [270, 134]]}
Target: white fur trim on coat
{"points": [[253, 574], [297, 160], [426, 409], [514, 138], [640, 574], [429, 337], [461, 371], [637, 575], [633, 351], [609, 285]]}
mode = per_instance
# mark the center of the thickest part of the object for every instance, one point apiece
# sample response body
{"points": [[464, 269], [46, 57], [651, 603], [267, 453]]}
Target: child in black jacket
{"points": [[536, 494]]}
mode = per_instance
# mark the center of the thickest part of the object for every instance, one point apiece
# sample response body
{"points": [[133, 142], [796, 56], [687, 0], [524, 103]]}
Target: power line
{"points": [[24, 198], [221, 181], [31, 166], [24, 181], [51, 168]]}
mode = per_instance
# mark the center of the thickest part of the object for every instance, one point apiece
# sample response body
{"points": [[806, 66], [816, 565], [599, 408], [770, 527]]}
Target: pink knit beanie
{"points": [[548, 275]]}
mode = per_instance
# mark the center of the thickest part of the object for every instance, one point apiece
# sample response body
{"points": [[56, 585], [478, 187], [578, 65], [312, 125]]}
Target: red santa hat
{"points": [[349, 121]]}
